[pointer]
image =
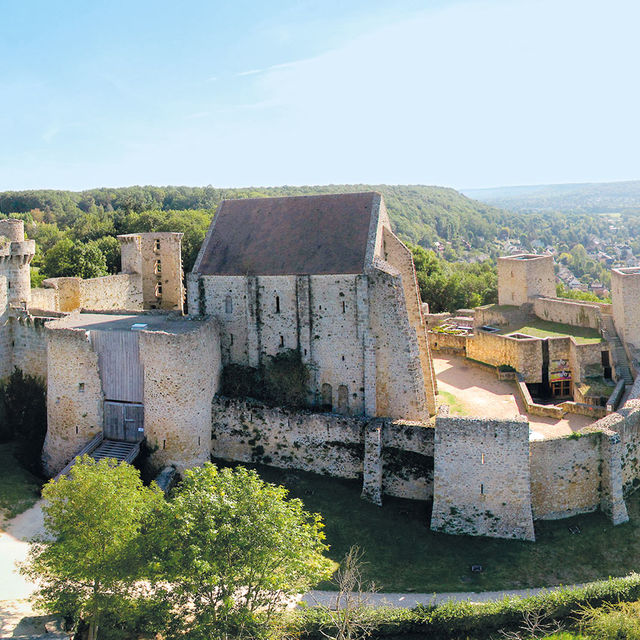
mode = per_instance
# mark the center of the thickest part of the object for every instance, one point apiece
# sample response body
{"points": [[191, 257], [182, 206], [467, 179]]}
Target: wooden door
{"points": [[123, 421]]}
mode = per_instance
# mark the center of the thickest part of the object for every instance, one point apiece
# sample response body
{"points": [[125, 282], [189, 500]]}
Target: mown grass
{"points": [[19, 489], [455, 405], [545, 329], [403, 554]]}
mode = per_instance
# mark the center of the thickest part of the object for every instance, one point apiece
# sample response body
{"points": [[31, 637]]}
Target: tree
{"points": [[238, 548], [68, 258], [89, 561]]}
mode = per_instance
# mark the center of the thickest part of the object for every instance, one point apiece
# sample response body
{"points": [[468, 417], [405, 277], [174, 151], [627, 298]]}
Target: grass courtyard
{"points": [[19, 489], [544, 329], [404, 555]]}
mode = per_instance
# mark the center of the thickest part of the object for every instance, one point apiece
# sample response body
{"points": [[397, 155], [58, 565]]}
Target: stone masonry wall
{"points": [[565, 476], [578, 314], [74, 396], [481, 478], [525, 356], [523, 278], [29, 340], [625, 298], [44, 299], [400, 387], [325, 443], [181, 375], [5, 330]]}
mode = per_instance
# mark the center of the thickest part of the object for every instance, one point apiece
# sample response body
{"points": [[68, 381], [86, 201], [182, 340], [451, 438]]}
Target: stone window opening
{"points": [[327, 397], [282, 341], [482, 459], [164, 444], [344, 307], [228, 305], [277, 304], [482, 489], [342, 358], [159, 290], [156, 245], [158, 267], [76, 429], [231, 338], [81, 387], [198, 440], [343, 399]]}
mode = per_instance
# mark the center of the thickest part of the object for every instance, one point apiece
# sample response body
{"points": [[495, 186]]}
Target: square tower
{"points": [[625, 298], [525, 276], [157, 257]]}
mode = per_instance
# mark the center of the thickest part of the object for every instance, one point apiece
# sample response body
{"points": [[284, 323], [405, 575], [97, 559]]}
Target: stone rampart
{"points": [[29, 339], [577, 314], [5, 330], [482, 478], [447, 342], [395, 459]]}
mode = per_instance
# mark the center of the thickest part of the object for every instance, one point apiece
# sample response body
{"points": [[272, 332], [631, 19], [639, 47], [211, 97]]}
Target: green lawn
{"points": [[404, 555], [544, 329], [19, 489], [456, 407]]}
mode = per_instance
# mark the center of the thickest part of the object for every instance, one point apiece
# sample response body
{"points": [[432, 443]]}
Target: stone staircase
{"points": [[99, 449], [618, 354]]}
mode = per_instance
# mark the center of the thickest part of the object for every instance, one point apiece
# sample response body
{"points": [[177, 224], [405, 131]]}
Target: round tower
{"points": [[16, 254]]}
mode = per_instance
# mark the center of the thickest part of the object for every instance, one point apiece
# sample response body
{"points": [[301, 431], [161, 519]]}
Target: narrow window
{"points": [[156, 245], [327, 397], [482, 459], [228, 305], [481, 489], [305, 352], [343, 399], [344, 307], [231, 338], [164, 444], [159, 290], [198, 440], [76, 430], [81, 387], [158, 267], [342, 358], [282, 341], [277, 304]]}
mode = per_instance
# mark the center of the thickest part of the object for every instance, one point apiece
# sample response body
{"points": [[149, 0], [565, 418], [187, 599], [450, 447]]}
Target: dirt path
{"points": [[14, 588], [480, 393]]}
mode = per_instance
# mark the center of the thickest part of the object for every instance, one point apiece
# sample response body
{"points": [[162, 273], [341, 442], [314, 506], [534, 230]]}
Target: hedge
{"points": [[461, 620]]}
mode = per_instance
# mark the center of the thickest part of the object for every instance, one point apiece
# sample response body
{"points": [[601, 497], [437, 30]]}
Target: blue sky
{"points": [[238, 93]]}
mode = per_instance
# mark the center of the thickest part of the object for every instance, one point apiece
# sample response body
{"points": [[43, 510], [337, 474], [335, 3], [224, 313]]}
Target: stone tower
{"points": [[525, 276], [625, 298], [16, 254], [157, 257]]}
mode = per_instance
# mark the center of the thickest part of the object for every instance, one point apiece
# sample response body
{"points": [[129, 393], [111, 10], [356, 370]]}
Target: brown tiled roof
{"points": [[323, 234]]}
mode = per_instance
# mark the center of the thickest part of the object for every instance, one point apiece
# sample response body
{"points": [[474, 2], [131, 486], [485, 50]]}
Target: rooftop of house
{"points": [[298, 235]]}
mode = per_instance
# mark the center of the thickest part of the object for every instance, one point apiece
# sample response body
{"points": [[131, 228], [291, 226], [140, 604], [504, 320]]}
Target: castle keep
{"points": [[325, 277]]}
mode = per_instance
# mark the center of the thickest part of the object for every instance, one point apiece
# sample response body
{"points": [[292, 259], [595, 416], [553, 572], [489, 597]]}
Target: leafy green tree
{"points": [[109, 246], [238, 547], [68, 258], [92, 556]]}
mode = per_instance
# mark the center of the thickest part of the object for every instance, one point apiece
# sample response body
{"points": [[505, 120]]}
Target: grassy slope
{"points": [[19, 489], [404, 555]]}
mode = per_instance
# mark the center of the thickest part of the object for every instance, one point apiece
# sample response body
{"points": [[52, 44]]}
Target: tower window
{"points": [[156, 245], [482, 459], [228, 305], [482, 489], [277, 304], [344, 307], [159, 290], [158, 267], [282, 341]]}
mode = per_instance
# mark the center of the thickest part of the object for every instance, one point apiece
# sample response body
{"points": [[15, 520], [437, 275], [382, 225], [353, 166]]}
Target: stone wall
{"points": [[447, 342], [400, 386], [565, 476], [74, 396], [181, 375], [109, 293], [482, 478], [326, 443], [521, 278], [5, 330], [625, 299], [577, 314], [525, 356], [29, 340]]}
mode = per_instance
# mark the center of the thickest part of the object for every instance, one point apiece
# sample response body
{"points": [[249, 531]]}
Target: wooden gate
{"points": [[123, 421], [122, 379]]}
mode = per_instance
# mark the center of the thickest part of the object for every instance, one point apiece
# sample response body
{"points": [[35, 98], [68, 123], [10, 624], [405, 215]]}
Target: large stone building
{"points": [[324, 275]]}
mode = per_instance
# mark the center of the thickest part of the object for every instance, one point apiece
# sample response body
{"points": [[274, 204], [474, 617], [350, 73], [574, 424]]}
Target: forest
{"points": [[455, 239]]}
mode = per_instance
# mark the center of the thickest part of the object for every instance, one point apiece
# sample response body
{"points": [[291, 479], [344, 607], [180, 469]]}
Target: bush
{"points": [[280, 380], [23, 417], [455, 620]]}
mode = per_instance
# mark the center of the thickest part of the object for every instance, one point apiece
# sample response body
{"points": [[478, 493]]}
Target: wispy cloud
{"points": [[250, 72], [51, 133]]}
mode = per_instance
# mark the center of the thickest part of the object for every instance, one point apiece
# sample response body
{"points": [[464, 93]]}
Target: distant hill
{"points": [[595, 197], [419, 214]]}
